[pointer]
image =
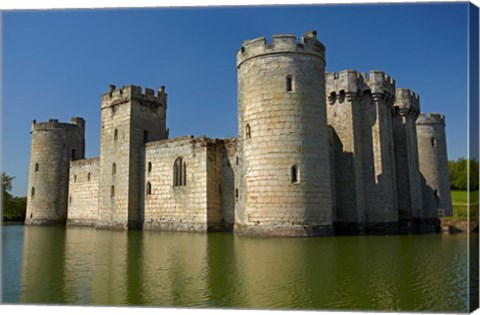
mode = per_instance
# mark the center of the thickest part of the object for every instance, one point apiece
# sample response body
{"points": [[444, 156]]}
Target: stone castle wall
{"points": [[54, 144], [83, 192], [409, 188], [129, 119], [359, 111], [193, 204], [433, 161], [283, 131], [316, 154]]}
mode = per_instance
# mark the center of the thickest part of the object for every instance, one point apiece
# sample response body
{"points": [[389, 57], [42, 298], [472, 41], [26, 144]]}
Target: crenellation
{"points": [[316, 154], [308, 44]]}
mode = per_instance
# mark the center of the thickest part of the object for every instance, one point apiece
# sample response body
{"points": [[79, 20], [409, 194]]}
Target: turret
{"points": [[130, 118], [360, 110], [53, 145], [409, 188], [432, 149], [284, 172]]}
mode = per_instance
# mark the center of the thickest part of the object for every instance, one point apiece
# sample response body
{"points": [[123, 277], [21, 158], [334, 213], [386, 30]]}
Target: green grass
{"points": [[460, 204]]}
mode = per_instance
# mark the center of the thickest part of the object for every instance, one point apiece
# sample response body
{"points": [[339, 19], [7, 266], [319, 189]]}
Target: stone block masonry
{"points": [[316, 154], [83, 192]]}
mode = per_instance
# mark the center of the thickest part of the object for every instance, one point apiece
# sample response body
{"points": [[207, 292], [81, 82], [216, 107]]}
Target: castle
{"points": [[316, 154]]}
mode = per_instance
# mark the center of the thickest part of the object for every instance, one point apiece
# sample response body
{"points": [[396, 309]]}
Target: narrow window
{"points": [[179, 172], [149, 188], [184, 174], [33, 192], [289, 83], [236, 193], [433, 141], [112, 191], [36, 167], [115, 134], [114, 169], [145, 136], [70, 199], [294, 174], [73, 154], [149, 167], [236, 160], [88, 177], [248, 131], [74, 178]]}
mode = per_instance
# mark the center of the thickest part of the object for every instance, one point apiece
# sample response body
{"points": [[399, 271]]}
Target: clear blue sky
{"points": [[56, 64]]}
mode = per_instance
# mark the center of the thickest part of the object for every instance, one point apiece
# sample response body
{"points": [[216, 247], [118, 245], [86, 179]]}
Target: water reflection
{"points": [[102, 267]]}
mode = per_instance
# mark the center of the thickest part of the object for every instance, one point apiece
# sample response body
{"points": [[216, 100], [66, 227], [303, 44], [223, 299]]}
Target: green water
{"points": [[58, 265]]}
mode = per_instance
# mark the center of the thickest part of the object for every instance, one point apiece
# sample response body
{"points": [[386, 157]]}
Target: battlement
{"points": [[380, 82], [351, 82], [132, 92], [407, 101], [282, 43], [51, 124], [431, 119]]}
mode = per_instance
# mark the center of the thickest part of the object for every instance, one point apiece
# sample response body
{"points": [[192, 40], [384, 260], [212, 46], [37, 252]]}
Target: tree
{"points": [[458, 172], [14, 208]]}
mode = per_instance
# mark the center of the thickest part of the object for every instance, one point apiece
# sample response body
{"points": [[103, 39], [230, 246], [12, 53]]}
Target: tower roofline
{"points": [[431, 119], [281, 44]]}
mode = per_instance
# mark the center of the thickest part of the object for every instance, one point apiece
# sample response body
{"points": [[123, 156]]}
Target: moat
{"points": [[58, 265]]}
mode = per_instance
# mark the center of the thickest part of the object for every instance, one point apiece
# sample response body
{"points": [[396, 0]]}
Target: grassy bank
{"points": [[460, 204]]}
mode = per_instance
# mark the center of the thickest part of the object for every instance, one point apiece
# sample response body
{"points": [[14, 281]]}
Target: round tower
{"points": [[433, 161], [53, 145], [284, 169]]}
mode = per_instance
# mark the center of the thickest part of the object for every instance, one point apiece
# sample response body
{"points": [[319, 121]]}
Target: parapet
{"points": [[381, 83], [132, 92], [407, 102], [308, 44], [51, 124], [351, 82], [431, 119]]}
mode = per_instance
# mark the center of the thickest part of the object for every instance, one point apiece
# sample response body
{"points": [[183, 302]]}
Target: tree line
{"points": [[14, 208], [458, 172]]}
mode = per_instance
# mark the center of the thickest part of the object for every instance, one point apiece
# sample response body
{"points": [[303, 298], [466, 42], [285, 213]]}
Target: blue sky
{"points": [[57, 63]]}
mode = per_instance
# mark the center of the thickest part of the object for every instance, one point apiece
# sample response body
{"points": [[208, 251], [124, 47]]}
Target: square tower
{"points": [[129, 119]]}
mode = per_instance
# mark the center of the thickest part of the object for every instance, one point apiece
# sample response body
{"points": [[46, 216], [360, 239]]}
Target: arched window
{"points": [[179, 172], [149, 167], [33, 192], [433, 141], [112, 191], [115, 134], [294, 174], [149, 188], [36, 167], [248, 131], [289, 83], [114, 169]]}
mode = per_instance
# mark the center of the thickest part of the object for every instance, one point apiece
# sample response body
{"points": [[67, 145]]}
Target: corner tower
{"points": [[432, 153], [284, 172], [409, 189], [129, 118], [53, 145]]}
